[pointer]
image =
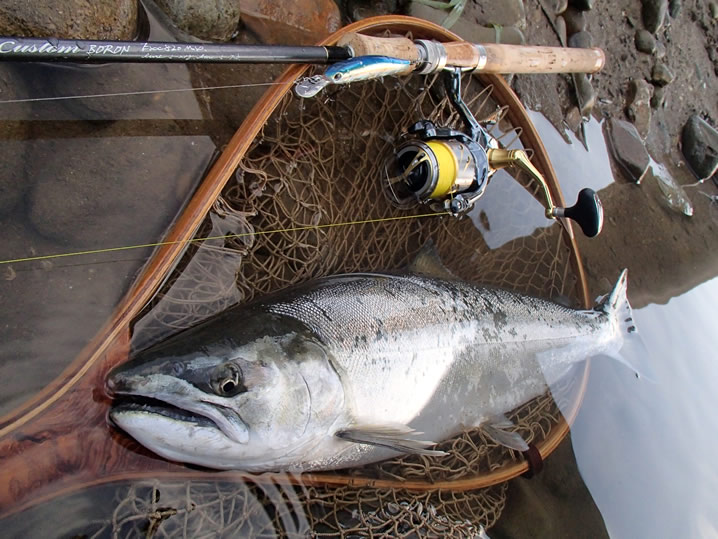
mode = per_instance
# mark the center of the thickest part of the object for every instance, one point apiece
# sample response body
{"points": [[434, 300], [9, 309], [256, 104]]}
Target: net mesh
{"points": [[308, 201], [222, 509]]}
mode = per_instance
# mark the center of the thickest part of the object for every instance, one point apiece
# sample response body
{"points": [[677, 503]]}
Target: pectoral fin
{"points": [[498, 431], [395, 437]]}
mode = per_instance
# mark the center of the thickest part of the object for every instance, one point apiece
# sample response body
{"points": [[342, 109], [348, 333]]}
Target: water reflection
{"points": [[575, 166], [646, 451], [81, 194], [507, 211]]}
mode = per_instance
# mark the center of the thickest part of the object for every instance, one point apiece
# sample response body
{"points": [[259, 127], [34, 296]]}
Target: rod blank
{"points": [[96, 51]]}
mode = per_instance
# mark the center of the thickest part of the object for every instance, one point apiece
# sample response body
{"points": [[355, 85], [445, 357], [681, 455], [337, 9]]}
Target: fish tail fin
{"points": [[616, 303], [633, 352]]}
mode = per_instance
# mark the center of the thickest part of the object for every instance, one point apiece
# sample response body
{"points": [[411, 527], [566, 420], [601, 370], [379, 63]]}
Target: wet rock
{"points": [[639, 106], [361, 9], [299, 22], [653, 13], [504, 13], [699, 142], [580, 40], [658, 97], [674, 8], [473, 33], [627, 148], [645, 42], [87, 189], [582, 5], [573, 119], [100, 19], [216, 20], [585, 94], [560, 26], [575, 20], [674, 196], [559, 6], [661, 75]]}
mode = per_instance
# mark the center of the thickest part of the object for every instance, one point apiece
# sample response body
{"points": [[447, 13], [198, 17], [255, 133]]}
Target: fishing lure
{"points": [[352, 70]]}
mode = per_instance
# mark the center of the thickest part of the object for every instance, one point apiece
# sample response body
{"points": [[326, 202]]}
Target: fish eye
{"points": [[337, 76], [227, 380]]}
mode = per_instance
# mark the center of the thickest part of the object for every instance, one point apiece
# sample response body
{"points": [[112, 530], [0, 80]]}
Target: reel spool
{"points": [[449, 169]]}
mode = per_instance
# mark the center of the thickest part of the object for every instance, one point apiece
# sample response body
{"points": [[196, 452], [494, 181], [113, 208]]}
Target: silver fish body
{"points": [[349, 369]]}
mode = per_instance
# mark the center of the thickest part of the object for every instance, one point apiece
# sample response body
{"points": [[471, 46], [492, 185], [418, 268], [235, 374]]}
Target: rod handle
{"points": [[487, 58], [537, 59], [394, 47]]}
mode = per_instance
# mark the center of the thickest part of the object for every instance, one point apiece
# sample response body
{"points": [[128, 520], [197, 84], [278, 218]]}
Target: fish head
{"points": [[255, 406]]}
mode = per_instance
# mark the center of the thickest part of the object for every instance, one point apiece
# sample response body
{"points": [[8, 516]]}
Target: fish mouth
{"points": [[148, 405]]}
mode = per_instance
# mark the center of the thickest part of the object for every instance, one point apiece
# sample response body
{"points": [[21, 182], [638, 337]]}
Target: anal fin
{"points": [[396, 437], [498, 430]]}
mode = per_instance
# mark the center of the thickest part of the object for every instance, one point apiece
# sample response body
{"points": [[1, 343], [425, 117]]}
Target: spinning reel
{"points": [[449, 169]]}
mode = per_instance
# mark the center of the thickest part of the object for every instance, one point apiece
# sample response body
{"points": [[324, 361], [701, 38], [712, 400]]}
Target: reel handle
{"points": [[487, 58], [587, 212]]}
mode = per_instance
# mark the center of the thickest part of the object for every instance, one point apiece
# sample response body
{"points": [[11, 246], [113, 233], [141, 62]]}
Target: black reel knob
{"points": [[587, 212]]}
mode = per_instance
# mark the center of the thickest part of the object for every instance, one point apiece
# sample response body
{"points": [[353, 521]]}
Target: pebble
{"points": [[699, 143], [713, 8], [627, 148], [580, 40], [216, 20], [660, 50], [582, 5], [658, 97], [661, 75], [585, 94], [575, 20], [639, 106], [560, 6], [653, 13], [573, 119], [560, 25], [674, 8], [361, 9], [645, 42]]}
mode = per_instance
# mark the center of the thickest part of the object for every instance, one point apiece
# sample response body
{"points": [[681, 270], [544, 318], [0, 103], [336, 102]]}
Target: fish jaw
{"points": [[180, 439], [184, 396]]}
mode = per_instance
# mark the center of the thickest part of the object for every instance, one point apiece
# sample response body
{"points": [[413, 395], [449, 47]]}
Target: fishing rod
{"points": [[425, 56], [444, 168]]}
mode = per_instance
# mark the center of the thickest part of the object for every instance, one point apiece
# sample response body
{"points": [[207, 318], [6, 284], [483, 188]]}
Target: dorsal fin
{"points": [[428, 262]]}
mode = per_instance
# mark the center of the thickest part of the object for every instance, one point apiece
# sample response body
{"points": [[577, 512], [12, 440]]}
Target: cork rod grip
{"points": [[497, 58], [531, 59], [394, 47]]}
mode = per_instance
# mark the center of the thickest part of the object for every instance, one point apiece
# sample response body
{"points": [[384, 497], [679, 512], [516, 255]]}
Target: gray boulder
{"points": [[627, 148], [700, 147], [653, 13], [71, 19], [216, 20]]}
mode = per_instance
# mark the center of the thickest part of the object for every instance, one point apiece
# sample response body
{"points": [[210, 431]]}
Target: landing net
{"points": [[319, 162]]}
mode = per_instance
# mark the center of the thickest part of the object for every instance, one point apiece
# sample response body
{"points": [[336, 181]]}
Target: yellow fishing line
{"points": [[228, 236]]}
